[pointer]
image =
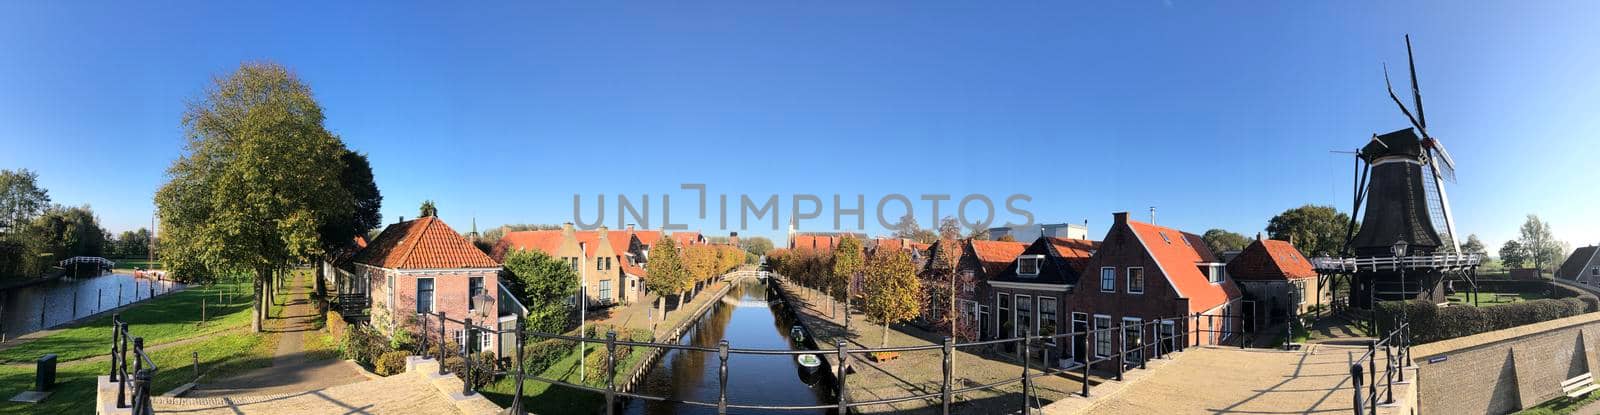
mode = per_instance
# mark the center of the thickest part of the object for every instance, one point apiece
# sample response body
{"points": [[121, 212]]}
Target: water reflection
{"points": [[32, 308], [746, 320]]}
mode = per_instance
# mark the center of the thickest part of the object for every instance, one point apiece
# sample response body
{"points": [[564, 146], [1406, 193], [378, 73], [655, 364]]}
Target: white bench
{"points": [[1579, 386]]}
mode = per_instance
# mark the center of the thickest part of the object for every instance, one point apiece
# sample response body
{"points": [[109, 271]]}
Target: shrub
{"points": [[336, 324], [1430, 323], [595, 362], [391, 363], [539, 356], [362, 344], [482, 368]]}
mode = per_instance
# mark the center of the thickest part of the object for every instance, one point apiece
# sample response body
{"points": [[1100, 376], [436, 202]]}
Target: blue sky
{"points": [[1221, 115]]}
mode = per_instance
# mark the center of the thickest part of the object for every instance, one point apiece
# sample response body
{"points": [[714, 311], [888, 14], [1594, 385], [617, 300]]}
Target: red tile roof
{"points": [[686, 238], [996, 255], [648, 238], [1270, 259], [1075, 251], [423, 243], [547, 241], [1179, 254]]}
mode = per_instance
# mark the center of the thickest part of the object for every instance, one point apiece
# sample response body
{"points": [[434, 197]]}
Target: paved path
{"points": [[292, 369], [409, 393], [1223, 380]]}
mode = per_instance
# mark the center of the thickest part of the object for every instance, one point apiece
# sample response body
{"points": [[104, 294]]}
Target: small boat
{"points": [[798, 334], [808, 362]]}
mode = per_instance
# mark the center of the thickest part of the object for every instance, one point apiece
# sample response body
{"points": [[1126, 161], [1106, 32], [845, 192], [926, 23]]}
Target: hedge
{"points": [[539, 356], [1431, 323]]}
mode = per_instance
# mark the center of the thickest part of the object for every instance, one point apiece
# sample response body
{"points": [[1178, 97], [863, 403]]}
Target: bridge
{"points": [[744, 273], [102, 262]]}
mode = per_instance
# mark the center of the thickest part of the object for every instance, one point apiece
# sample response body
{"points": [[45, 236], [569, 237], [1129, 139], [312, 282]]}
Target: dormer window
{"points": [[1215, 272], [1165, 238], [1029, 265]]}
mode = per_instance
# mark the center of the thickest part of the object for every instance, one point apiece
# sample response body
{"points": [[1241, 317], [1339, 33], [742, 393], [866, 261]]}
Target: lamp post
{"points": [[1399, 250]]}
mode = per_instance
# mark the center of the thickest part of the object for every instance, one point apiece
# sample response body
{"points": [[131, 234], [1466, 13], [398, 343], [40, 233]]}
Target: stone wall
{"points": [[1507, 370]]}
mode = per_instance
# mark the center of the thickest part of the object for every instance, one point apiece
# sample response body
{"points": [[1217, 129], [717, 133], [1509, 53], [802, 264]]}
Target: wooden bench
{"points": [[1579, 386]]}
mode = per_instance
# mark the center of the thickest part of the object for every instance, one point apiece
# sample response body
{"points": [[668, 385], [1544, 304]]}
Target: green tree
{"points": [[665, 273], [258, 181], [1316, 230], [847, 265], [1539, 244], [21, 198], [543, 284], [61, 233], [428, 210], [891, 290], [1220, 240], [758, 245], [1512, 255]]}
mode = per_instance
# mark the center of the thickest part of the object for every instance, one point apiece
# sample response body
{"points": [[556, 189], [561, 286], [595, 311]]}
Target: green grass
{"points": [[544, 398], [161, 320], [131, 263], [219, 356], [1488, 298], [1561, 406]]}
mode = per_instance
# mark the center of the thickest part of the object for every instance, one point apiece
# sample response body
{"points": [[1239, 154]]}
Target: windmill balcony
{"points": [[1447, 262]]}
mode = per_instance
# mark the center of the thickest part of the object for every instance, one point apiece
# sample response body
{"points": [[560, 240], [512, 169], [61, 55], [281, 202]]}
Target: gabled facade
{"points": [[1278, 278], [1144, 272], [976, 263], [1582, 266], [1033, 295], [423, 266], [599, 257]]}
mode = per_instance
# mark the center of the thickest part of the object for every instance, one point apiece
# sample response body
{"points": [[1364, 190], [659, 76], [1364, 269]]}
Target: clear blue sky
{"points": [[1220, 115]]}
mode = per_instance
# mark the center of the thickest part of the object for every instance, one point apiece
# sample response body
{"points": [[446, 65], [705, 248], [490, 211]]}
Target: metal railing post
{"points": [[424, 349], [442, 343], [138, 367], [1355, 377], [1197, 330], [949, 361], [1388, 374], [1088, 343], [115, 335], [1122, 349], [1027, 381], [844, 359], [522, 370], [611, 372], [122, 361], [466, 357], [722, 377], [1372, 376], [1143, 347]]}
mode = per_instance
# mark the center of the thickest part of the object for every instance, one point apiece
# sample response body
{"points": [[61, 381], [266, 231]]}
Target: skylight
{"points": [[1165, 238]]}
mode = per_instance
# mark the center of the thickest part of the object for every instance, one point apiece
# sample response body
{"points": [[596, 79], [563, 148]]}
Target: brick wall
{"points": [[1505, 371], [450, 297]]}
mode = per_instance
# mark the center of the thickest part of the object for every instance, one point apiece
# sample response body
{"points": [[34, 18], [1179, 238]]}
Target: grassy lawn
{"points": [[1562, 405], [1490, 298], [219, 355], [544, 398], [164, 319]]}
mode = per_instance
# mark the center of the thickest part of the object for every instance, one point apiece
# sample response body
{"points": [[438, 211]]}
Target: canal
{"points": [[35, 307], [747, 320]]}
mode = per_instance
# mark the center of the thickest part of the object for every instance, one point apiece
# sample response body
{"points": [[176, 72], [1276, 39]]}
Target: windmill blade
{"points": [[1416, 91], [1402, 105], [1439, 154], [1444, 205]]}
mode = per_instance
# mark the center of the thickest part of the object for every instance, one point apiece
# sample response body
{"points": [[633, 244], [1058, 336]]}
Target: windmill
{"points": [[1434, 150]]}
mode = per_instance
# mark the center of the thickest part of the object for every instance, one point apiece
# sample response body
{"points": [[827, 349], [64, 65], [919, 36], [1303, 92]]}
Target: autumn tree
{"points": [[1315, 230], [847, 266], [891, 289], [543, 284], [258, 179], [943, 276], [701, 262], [665, 273], [949, 228]]}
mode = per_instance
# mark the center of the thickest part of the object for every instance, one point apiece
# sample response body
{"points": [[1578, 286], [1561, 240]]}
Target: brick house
{"points": [[424, 266], [979, 261], [601, 258], [1278, 278], [1035, 292], [1144, 272]]}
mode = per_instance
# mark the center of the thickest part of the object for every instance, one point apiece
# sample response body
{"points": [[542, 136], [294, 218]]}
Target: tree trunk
{"points": [[255, 322], [322, 287], [681, 296], [661, 306], [884, 342]]}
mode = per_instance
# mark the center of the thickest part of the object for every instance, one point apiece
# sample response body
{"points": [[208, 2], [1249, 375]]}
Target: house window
{"points": [[1133, 338], [1214, 272], [1595, 271], [1028, 266], [1300, 292], [1025, 315], [1003, 324], [605, 290], [1102, 335], [474, 289], [1047, 319], [573, 262], [967, 276], [1108, 280], [1135, 280], [424, 295], [484, 340]]}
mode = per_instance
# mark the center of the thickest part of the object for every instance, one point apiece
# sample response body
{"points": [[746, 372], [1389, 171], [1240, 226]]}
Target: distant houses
{"points": [[611, 262], [1278, 278], [1582, 266]]}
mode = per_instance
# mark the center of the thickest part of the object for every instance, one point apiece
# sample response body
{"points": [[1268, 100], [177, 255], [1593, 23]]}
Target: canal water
{"points": [[68, 299], [746, 319]]}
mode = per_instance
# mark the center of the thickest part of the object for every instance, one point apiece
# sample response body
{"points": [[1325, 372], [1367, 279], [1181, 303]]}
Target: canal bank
{"points": [[39, 306], [747, 316]]}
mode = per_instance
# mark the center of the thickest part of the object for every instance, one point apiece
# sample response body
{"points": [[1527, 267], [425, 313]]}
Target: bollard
{"points": [[611, 372], [74, 303], [43, 301], [202, 309], [844, 358], [722, 377], [99, 294], [949, 360]]}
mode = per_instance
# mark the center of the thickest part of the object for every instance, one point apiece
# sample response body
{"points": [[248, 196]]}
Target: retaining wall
{"points": [[1507, 370]]}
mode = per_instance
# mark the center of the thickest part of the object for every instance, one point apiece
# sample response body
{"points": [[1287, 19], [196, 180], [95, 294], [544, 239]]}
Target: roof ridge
{"points": [[406, 258]]}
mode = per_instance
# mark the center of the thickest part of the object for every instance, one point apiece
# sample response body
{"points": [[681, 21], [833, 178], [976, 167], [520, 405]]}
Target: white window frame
{"points": [[1130, 280], [1000, 309], [1101, 350], [604, 289], [1113, 287], [1168, 331], [433, 295], [1299, 292], [1088, 324], [1055, 319], [1016, 314], [1036, 260], [485, 340], [470, 305], [1137, 324]]}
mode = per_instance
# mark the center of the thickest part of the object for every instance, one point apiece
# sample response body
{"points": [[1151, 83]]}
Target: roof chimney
{"points": [[603, 231], [1258, 236], [630, 228], [567, 230], [402, 219], [1119, 218], [1152, 215]]}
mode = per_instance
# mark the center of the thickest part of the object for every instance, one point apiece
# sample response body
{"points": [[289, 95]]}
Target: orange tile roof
{"points": [[1075, 251], [1179, 254], [1270, 259], [685, 238], [423, 243], [996, 255], [547, 241], [648, 238]]}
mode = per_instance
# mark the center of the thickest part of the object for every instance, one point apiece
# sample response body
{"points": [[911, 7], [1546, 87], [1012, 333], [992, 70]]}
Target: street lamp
{"points": [[1399, 250]]}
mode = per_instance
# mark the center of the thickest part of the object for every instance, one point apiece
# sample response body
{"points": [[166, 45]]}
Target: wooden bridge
{"points": [[102, 262]]}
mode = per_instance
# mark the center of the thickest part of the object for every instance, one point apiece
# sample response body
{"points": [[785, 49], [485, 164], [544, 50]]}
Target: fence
{"points": [[1177, 338], [144, 370], [1397, 356]]}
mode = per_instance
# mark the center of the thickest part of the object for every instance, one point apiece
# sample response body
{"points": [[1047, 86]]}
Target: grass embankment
{"points": [[223, 345], [545, 398], [1562, 405]]}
